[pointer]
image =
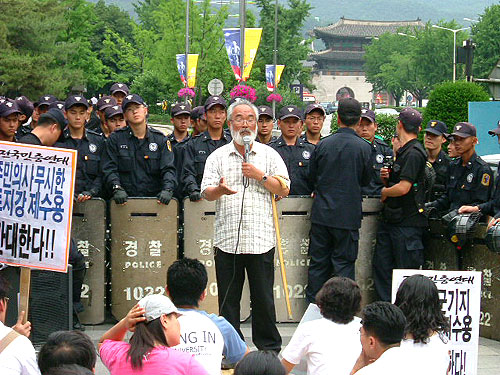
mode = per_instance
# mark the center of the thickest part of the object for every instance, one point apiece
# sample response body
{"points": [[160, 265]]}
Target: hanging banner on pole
{"points": [[36, 204], [181, 66], [192, 66], [270, 74], [252, 42], [232, 42]]}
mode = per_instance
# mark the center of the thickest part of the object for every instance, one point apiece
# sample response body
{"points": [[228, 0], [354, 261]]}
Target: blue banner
{"points": [[181, 66], [232, 41]]}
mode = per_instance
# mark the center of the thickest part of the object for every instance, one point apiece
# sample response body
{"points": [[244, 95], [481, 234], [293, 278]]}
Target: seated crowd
{"points": [[169, 335]]}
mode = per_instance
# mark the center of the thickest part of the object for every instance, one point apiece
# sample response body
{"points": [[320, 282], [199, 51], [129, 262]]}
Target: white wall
{"points": [[327, 87]]}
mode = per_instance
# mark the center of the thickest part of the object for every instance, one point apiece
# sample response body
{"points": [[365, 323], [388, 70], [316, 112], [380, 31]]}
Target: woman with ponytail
{"points": [[155, 328]]}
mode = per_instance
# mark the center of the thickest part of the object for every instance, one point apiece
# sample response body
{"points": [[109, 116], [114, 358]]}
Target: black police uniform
{"points": [[142, 167], [492, 207], [88, 166], [273, 138], [23, 130], [399, 236], [94, 122], [339, 166], [296, 159], [441, 166], [178, 148], [196, 152], [380, 150], [30, 139], [303, 136], [471, 184]]}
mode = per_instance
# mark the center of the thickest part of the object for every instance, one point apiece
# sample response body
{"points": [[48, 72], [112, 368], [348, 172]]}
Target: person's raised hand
{"points": [[224, 188], [250, 171], [23, 329], [134, 316]]}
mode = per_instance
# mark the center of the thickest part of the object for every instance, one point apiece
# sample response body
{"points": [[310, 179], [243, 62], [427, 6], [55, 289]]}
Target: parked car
{"points": [[328, 107]]}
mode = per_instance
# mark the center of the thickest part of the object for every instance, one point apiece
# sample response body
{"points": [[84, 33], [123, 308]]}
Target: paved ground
{"points": [[489, 350]]}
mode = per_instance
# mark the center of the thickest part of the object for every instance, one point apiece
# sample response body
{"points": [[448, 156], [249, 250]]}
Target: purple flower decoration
{"points": [[274, 98], [186, 91], [245, 92]]}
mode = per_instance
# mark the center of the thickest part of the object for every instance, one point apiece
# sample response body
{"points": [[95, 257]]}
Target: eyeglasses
{"points": [[314, 118], [241, 121]]}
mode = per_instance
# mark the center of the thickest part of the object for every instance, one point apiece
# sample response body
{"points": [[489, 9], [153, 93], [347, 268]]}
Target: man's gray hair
{"points": [[238, 102]]}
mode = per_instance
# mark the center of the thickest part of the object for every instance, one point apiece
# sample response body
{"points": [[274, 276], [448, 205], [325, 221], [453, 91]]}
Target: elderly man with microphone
{"points": [[242, 176]]}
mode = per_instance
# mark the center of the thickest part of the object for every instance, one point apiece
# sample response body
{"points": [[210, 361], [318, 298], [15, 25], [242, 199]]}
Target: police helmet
{"points": [[492, 238]]}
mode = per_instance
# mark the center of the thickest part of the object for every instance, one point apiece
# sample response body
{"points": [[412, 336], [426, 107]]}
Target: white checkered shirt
{"points": [[257, 235]]}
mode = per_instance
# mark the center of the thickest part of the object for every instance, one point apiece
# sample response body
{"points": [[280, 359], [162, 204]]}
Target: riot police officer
{"points": [[399, 235], [265, 125], [89, 145], [340, 165], [314, 120], [380, 151], [198, 148], [470, 179], [294, 151], [434, 138], [181, 113], [138, 160]]}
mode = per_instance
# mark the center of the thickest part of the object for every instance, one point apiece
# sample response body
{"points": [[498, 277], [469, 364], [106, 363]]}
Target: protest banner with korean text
{"points": [[460, 295], [36, 202]]}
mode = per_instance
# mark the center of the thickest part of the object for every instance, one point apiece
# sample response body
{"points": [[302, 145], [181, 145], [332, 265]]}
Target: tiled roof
{"points": [[359, 28], [330, 54]]}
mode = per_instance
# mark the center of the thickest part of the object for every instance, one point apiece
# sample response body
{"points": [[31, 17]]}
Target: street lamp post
{"points": [[454, 46]]}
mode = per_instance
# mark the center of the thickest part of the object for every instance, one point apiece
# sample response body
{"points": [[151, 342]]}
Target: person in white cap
{"points": [[154, 323]]}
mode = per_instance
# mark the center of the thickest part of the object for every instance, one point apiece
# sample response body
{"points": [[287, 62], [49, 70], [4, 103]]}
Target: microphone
{"points": [[246, 142]]}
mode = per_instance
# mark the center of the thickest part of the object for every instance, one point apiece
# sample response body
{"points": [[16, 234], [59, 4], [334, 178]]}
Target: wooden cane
{"points": [[280, 254]]}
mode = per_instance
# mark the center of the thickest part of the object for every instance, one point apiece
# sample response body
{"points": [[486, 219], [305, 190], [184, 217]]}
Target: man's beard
{"points": [[238, 136]]}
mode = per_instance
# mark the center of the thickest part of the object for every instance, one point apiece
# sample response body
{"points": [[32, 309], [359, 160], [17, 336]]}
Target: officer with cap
{"points": [[89, 144], [138, 160], [434, 138], [295, 152], [198, 120], [265, 125], [98, 119], [49, 129], [470, 179], [400, 232], [198, 148], [9, 120], [314, 119], [118, 91], [113, 119], [492, 206], [380, 151], [41, 106], [181, 114], [26, 108], [340, 165]]}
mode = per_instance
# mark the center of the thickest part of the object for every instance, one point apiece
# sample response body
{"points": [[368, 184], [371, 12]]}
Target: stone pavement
{"points": [[489, 350]]}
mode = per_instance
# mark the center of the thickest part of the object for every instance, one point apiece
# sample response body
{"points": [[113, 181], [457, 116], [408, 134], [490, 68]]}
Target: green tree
{"points": [[449, 101], [293, 48], [486, 35]]}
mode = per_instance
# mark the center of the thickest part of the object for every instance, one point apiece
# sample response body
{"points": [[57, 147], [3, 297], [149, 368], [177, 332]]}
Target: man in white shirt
{"points": [[17, 355], [242, 183], [381, 334], [330, 344]]}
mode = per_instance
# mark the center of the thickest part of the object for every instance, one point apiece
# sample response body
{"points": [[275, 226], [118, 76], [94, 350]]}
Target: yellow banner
{"points": [[192, 66], [252, 41], [279, 70]]}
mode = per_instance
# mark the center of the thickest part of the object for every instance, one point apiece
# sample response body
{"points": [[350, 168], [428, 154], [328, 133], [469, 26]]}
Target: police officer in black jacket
{"points": [[380, 151], [89, 145], [181, 118], [265, 125], [295, 152], [138, 160], [198, 148], [434, 138], [470, 180], [339, 166], [399, 236], [314, 118]]}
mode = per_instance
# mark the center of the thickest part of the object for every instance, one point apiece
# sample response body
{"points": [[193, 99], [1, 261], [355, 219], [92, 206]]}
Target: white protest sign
{"points": [[36, 203], [460, 294]]}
